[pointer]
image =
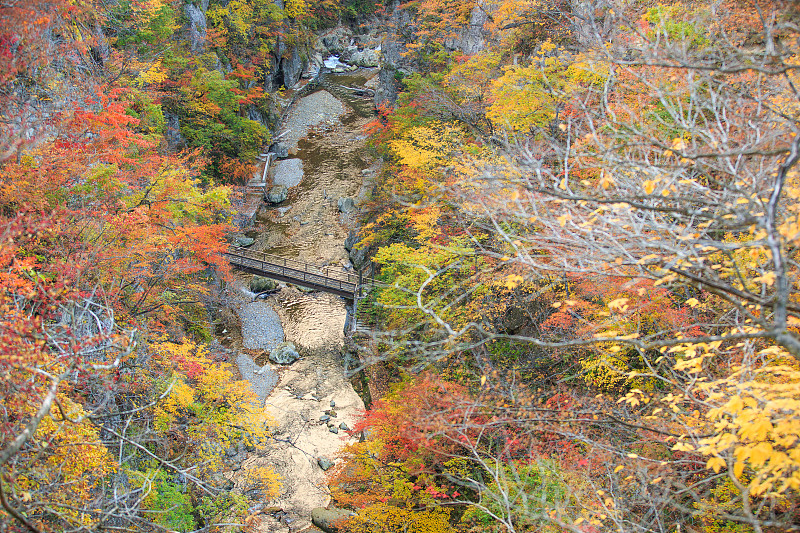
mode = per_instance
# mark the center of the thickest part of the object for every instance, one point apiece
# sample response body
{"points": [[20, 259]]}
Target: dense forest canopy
{"points": [[586, 230]]}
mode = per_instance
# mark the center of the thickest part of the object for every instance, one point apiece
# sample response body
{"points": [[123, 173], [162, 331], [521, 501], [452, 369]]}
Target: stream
{"points": [[324, 137]]}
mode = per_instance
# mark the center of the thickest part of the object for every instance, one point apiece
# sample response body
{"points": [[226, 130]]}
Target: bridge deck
{"points": [[325, 279]]}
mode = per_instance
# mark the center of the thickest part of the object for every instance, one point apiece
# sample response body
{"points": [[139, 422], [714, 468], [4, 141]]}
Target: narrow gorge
{"points": [[327, 171]]}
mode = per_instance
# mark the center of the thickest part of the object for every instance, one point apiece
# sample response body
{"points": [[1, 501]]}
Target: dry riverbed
{"points": [[308, 227]]}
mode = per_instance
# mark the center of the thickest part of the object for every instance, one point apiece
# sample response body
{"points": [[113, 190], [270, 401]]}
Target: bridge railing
{"points": [[324, 277], [293, 264]]}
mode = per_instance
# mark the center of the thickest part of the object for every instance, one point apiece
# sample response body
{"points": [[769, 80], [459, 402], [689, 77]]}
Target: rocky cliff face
{"points": [[393, 60], [401, 26], [197, 25], [473, 39]]}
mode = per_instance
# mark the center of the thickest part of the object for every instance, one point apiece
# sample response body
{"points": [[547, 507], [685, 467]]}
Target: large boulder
{"points": [[358, 256], [285, 354], [262, 284], [337, 39], [288, 172], [365, 58], [351, 240], [278, 194], [346, 204], [281, 151], [325, 463], [244, 242], [326, 519]]}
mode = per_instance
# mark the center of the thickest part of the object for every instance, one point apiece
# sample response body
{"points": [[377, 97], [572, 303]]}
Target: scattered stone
{"points": [[324, 463], [344, 427], [324, 418], [326, 519], [262, 284], [346, 205], [278, 194], [333, 403], [334, 430], [244, 242], [285, 354]]}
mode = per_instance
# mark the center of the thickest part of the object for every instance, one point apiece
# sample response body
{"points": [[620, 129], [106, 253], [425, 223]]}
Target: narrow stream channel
{"points": [[309, 227]]}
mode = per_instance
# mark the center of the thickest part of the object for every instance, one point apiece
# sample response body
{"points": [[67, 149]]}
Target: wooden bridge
{"points": [[327, 279]]}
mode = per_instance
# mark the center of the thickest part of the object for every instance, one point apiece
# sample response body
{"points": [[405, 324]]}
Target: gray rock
{"points": [[335, 42], [197, 27], [333, 403], [351, 240], [346, 55], [326, 519], [358, 256], [261, 284], [175, 140], [473, 38], [285, 354], [241, 240], [278, 194], [288, 172], [325, 463], [316, 61], [344, 427], [334, 430], [324, 418], [364, 58], [346, 205], [292, 68], [280, 150], [306, 290]]}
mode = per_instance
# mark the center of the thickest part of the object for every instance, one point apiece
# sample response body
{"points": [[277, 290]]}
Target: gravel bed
{"points": [[261, 330], [288, 172], [310, 111], [261, 326], [262, 379]]}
